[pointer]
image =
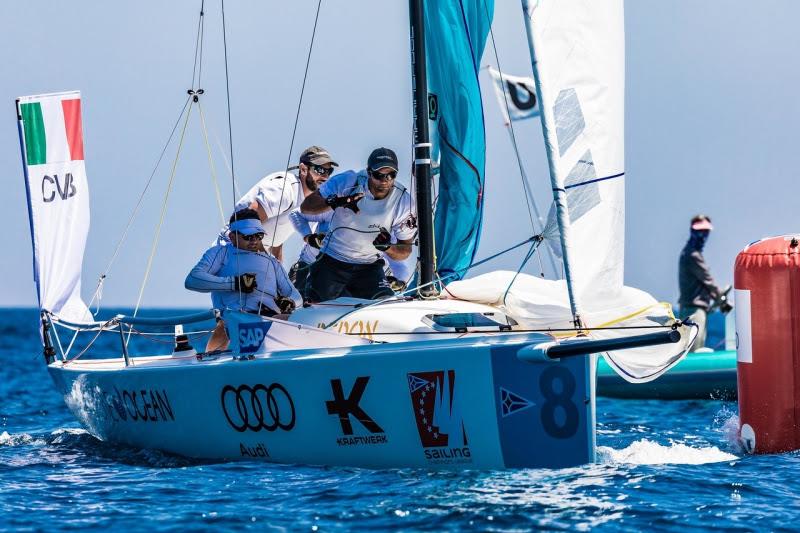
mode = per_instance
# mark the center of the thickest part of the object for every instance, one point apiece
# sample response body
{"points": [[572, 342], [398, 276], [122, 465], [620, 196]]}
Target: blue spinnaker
{"points": [[455, 36]]}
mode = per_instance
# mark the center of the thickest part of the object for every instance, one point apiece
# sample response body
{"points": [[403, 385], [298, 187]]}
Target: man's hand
{"points": [[348, 202], [315, 240], [725, 306], [245, 283], [383, 241], [286, 305]]}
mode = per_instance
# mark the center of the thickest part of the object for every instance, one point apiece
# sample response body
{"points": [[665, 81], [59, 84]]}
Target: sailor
{"points": [[369, 207], [699, 292], [239, 275], [313, 228], [279, 193]]}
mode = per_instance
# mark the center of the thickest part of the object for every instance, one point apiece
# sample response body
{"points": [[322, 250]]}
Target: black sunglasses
{"points": [[322, 171], [383, 176], [250, 238]]}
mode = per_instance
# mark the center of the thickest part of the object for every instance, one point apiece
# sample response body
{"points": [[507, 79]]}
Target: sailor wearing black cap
{"points": [[369, 207], [279, 193]]}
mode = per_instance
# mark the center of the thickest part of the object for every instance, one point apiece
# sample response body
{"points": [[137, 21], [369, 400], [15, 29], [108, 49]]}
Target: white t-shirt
{"points": [[279, 194], [350, 236], [219, 266]]}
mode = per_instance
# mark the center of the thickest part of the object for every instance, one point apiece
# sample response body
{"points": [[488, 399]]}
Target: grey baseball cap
{"points": [[317, 155]]}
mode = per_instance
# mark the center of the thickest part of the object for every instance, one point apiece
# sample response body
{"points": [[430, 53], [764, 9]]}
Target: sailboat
{"points": [[497, 374]]}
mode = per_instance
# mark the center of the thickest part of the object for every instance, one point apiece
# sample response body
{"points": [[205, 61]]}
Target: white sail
{"points": [[580, 70], [51, 139], [578, 58]]}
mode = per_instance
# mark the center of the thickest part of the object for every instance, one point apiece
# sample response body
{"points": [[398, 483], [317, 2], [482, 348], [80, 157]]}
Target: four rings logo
{"points": [[258, 407]]}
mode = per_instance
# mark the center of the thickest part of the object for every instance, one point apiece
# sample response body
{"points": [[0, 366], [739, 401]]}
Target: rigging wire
{"points": [[197, 67], [136, 209], [529, 197], [228, 101], [297, 117], [163, 214], [213, 169]]}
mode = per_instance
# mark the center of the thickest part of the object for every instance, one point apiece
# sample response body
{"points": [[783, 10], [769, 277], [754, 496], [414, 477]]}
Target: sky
{"points": [[711, 124]]}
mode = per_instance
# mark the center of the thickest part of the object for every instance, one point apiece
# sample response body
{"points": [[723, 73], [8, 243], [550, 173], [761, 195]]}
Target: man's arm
{"points": [[401, 250], [203, 278], [314, 204], [262, 215]]}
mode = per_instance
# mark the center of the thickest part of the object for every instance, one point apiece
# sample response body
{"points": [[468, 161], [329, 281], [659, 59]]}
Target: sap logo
{"points": [[52, 185], [251, 335]]}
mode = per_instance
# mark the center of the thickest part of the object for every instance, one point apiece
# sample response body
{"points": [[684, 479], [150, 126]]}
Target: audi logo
{"points": [[258, 407]]}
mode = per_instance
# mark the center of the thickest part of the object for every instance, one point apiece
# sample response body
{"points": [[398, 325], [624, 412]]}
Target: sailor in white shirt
{"points": [[368, 208], [279, 193], [313, 229]]}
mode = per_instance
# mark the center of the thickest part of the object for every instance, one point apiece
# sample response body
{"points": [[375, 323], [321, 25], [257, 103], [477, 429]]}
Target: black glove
{"points": [[348, 202], [286, 305], [397, 285], [725, 306], [245, 283], [315, 239], [383, 241]]}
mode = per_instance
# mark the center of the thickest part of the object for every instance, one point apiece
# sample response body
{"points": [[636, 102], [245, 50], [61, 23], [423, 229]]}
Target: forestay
{"points": [[51, 138]]}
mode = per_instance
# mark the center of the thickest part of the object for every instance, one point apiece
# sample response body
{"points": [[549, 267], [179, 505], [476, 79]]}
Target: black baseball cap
{"points": [[382, 158], [317, 155]]}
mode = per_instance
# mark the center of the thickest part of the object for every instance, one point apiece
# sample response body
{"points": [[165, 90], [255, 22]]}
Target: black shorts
{"points": [[330, 278]]}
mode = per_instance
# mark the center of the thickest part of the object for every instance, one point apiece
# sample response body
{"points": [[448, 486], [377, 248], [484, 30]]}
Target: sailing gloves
{"points": [[383, 241], [286, 305], [348, 202], [245, 283], [315, 240]]}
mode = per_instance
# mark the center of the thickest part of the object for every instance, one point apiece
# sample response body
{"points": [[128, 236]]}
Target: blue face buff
{"points": [[698, 238]]}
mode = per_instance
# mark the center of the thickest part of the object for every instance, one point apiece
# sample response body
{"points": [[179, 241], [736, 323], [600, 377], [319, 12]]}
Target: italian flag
{"points": [[58, 198], [53, 130]]}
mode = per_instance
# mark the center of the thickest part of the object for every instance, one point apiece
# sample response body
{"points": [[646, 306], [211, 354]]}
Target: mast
{"points": [[559, 192], [422, 152]]}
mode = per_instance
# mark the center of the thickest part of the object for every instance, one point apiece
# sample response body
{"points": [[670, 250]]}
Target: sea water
{"points": [[662, 465]]}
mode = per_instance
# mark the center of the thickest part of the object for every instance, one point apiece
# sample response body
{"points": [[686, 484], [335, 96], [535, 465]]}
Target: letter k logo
{"points": [[344, 407]]}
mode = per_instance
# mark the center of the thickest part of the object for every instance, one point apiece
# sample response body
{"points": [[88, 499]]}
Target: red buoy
{"points": [[767, 297]]}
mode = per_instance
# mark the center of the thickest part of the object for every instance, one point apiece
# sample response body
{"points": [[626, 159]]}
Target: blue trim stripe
{"points": [[594, 180]]}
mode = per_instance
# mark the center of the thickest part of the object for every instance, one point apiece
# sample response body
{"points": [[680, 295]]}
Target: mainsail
{"points": [[51, 139], [455, 35]]}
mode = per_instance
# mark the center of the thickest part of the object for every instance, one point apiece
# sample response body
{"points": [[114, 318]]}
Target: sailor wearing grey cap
{"points": [[279, 193], [239, 275], [369, 208]]}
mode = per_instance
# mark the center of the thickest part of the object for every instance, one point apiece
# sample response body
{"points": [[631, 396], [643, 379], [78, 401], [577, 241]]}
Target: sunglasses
{"points": [[322, 171], [383, 176], [250, 238]]}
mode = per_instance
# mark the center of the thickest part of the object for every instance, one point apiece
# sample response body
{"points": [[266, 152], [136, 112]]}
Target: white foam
{"points": [[646, 452]]}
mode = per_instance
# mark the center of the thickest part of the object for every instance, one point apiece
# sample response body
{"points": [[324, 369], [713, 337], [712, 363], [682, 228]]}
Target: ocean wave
{"points": [[647, 452]]}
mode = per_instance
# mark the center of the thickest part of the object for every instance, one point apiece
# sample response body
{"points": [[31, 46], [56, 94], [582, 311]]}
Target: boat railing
{"points": [[117, 323]]}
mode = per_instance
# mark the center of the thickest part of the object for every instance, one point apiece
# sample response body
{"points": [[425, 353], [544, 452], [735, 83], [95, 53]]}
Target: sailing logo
{"points": [[511, 403], [347, 406], [516, 96], [258, 407], [438, 415], [145, 405], [52, 184], [251, 335]]}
